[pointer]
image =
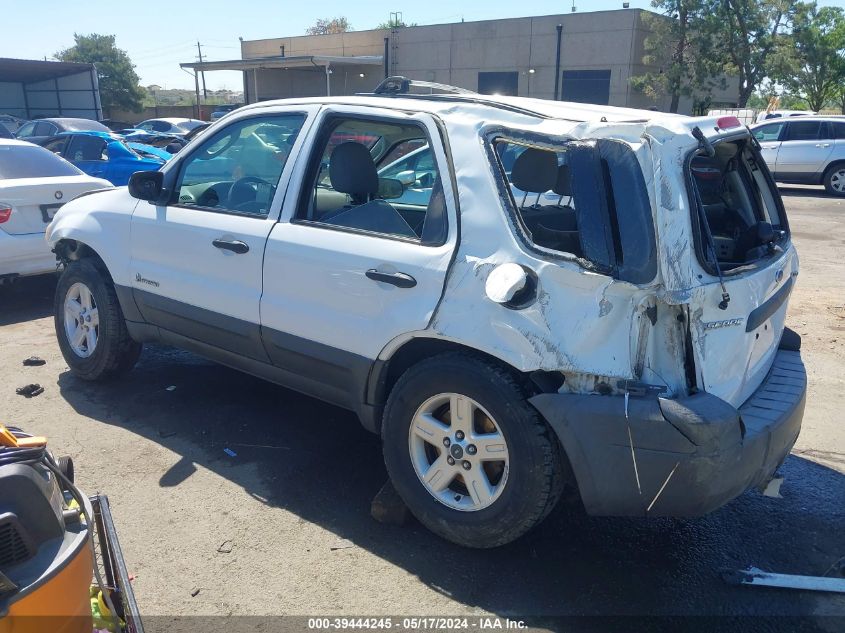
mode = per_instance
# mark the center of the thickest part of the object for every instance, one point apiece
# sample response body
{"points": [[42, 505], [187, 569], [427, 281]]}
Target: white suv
{"points": [[618, 327]]}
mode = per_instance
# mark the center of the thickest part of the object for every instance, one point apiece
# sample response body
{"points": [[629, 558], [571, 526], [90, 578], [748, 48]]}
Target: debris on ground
{"points": [[170, 388], [194, 592], [772, 489], [230, 452], [30, 391], [34, 361], [387, 506], [344, 543], [755, 576], [225, 547]]}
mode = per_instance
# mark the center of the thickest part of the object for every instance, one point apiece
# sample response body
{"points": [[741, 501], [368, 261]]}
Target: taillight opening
{"points": [[5, 213]]}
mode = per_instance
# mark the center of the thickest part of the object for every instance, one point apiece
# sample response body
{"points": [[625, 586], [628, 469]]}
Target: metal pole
{"points": [[255, 83], [197, 91], [204, 91], [386, 55], [557, 62], [328, 80]]}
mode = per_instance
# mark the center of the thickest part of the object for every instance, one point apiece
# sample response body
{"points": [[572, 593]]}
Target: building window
{"points": [[496, 83], [586, 86]]}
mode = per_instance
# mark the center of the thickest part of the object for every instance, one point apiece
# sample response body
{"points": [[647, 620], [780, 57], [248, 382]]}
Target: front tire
{"points": [[90, 326], [473, 461], [834, 180]]}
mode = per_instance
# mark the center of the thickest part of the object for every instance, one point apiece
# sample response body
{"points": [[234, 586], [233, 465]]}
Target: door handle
{"points": [[402, 280], [769, 146], [236, 246], [822, 144]]}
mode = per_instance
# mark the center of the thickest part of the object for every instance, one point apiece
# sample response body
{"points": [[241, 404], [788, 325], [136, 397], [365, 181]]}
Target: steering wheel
{"points": [[243, 192]]}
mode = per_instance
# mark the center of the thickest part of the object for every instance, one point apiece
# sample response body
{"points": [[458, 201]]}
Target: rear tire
{"points": [[520, 478], [90, 326], [834, 179]]}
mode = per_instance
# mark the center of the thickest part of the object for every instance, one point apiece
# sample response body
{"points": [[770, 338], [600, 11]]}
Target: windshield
{"points": [[31, 161], [735, 197]]}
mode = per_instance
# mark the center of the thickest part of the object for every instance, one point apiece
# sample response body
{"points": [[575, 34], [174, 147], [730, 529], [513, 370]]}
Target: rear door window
{"points": [[803, 130], [377, 177]]}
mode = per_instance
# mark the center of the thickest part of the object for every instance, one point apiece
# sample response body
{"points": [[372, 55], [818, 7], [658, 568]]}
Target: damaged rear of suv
{"points": [[517, 295]]}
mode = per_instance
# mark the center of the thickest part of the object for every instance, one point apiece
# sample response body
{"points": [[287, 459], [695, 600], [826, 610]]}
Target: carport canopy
{"points": [[31, 88], [322, 63]]}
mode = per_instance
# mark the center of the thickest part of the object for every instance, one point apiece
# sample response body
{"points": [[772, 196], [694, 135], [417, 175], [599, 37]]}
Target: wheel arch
{"points": [[840, 162], [386, 371]]}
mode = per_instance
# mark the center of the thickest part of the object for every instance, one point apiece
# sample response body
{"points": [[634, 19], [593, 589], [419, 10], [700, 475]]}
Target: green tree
{"points": [[813, 68], [328, 26], [680, 48], [116, 73], [395, 24], [752, 34]]}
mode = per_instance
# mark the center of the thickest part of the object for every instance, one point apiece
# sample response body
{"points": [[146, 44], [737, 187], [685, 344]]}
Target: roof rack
{"points": [[402, 85]]}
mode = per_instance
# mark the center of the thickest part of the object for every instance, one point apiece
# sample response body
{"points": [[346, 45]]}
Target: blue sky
{"points": [[158, 35]]}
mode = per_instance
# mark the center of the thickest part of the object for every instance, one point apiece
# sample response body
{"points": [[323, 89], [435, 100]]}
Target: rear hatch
{"points": [[738, 274], [34, 201]]}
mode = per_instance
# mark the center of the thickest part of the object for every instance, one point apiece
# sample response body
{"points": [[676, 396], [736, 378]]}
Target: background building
{"points": [[600, 51]]}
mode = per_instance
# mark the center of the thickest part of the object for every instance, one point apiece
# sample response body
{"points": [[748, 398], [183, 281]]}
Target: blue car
{"points": [[106, 155]]}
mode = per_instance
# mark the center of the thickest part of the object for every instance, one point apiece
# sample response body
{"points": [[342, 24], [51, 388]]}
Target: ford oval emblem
{"points": [[779, 275], [58, 195]]}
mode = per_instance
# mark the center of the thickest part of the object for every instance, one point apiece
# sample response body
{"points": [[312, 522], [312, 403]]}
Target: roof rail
{"points": [[402, 85]]}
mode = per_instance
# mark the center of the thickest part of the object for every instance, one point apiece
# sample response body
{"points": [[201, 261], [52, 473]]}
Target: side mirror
{"points": [[390, 188], [147, 185], [407, 177]]}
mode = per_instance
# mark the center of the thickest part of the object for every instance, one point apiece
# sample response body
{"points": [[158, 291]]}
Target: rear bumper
{"points": [[692, 455], [27, 254]]}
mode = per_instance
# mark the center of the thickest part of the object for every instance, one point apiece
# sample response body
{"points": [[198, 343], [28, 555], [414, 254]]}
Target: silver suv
{"points": [[808, 151]]}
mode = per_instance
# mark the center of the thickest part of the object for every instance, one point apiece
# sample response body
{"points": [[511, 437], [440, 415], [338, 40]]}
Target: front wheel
{"points": [[89, 323], [834, 180], [473, 461]]}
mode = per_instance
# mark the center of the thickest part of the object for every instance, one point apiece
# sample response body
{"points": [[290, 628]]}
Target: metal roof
{"points": [[32, 70], [279, 62]]}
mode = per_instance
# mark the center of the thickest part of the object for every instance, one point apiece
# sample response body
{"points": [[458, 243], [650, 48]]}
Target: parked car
{"points": [[172, 143], [34, 184], [222, 110], [777, 114], [809, 150], [5, 133], [170, 125], [10, 123], [40, 130], [106, 155], [502, 348]]}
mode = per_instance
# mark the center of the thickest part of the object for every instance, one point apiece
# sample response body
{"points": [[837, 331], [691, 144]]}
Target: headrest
{"points": [[563, 184], [535, 170], [352, 170]]}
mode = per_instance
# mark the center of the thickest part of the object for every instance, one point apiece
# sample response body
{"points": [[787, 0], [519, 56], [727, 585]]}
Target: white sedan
{"points": [[34, 183]]}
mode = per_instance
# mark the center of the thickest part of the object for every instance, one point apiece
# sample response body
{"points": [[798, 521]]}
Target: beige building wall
{"points": [[455, 53]]}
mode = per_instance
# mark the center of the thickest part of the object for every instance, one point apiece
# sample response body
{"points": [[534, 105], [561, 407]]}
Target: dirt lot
{"points": [[293, 504]]}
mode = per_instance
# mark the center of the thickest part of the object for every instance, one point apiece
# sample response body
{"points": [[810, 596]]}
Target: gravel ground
{"points": [[292, 506]]}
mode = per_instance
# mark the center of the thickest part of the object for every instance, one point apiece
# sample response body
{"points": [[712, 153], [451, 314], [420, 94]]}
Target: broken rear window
{"points": [[734, 196], [585, 199]]}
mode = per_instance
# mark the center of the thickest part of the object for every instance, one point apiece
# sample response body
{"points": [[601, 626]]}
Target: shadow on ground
{"points": [[316, 461], [805, 191], [27, 299]]}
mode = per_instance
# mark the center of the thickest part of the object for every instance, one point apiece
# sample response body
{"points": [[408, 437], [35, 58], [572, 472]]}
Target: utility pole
{"points": [[204, 91]]}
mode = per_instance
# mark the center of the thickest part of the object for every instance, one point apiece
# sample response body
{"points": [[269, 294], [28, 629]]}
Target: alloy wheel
{"points": [[458, 452], [81, 320], [837, 181]]}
